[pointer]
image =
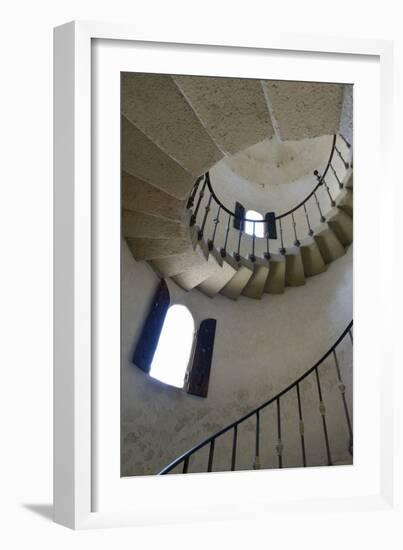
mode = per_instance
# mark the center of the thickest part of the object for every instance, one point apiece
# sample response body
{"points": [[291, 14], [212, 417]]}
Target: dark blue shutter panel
{"points": [[239, 216], [270, 225], [199, 376], [148, 339]]}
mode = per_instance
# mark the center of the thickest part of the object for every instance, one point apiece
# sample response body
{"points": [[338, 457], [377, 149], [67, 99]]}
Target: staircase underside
{"points": [[176, 128]]}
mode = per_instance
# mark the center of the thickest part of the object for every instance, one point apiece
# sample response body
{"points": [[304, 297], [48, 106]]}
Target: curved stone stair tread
{"points": [[216, 282], [233, 110], [255, 287], [294, 269], [342, 226], [156, 106], [304, 110], [329, 245], [149, 249], [312, 260], [178, 263], [195, 275], [145, 160], [345, 201], [275, 283], [141, 196], [243, 272], [138, 224]]}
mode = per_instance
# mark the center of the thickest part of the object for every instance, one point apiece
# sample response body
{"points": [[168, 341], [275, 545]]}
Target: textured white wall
{"points": [[261, 346]]}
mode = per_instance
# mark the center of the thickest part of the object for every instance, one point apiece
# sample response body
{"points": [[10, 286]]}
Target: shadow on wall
{"points": [[43, 510]]}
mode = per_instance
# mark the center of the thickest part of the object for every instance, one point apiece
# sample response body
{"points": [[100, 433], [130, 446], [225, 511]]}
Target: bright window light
{"points": [[172, 355], [259, 227]]}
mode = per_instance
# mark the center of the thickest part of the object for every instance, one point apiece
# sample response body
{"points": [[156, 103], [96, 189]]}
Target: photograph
{"points": [[236, 300], [201, 220]]}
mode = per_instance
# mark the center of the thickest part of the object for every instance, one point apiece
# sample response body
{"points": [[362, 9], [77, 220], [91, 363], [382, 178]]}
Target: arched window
{"points": [[259, 227], [171, 357]]}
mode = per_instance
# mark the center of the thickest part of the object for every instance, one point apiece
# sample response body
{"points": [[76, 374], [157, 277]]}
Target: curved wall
{"points": [[260, 347]]}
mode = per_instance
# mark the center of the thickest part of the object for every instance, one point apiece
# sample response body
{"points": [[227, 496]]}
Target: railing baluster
{"points": [[342, 389], [310, 232], [294, 225], [282, 249], [193, 193], [216, 222], [336, 176], [345, 141], [301, 427], [186, 464], [332, 201], [267, 254], [224, 248], [234, 443], [322, 217], [279, 446], [206, 213], [238, 252], [351, 336], [256, 464], [322, 181], [322, 410], [253, 258], [201, 195], [346, 164], [211, 456]]}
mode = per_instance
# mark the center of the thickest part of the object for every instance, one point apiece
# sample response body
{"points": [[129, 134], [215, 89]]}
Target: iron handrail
{"points": [[190, 452], [235, 216]]}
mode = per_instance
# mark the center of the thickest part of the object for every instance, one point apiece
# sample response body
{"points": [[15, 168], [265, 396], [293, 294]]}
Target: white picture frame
{"points": [[87, 491]]}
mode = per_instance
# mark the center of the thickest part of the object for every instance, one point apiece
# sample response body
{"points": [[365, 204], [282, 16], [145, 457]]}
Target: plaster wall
{"points": [[260, 347]]}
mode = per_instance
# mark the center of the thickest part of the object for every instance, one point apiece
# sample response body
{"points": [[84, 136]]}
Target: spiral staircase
{"points": [[174, 129]]}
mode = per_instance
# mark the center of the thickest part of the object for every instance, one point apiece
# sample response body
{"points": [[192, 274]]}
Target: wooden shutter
{"points": [[149, 336], [199, 375], [270, 225], [239, 220]]}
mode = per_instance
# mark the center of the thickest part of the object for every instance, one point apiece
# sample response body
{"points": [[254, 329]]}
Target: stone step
{"points": [[304, 110], [329, 245], [312, 260], [178, 263], [294, 269], [243, 272], [140, 196], [196, 274], [255, 287], [275, 283], [233, 110], [216, 282], [345, 201], [138, 224], [149, 249], [156, 106], [342, 226], [145, 160]]}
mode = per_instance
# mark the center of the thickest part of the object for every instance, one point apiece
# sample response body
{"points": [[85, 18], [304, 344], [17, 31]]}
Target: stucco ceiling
{"points": [[272, 162]]}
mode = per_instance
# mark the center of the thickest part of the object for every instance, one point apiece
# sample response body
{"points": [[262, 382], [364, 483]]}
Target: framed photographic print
{"points": [[207, 267]]}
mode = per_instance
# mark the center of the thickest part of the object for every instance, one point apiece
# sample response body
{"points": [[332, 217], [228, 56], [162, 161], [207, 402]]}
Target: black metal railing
{"points": [[204, 187], [293, 390]]}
